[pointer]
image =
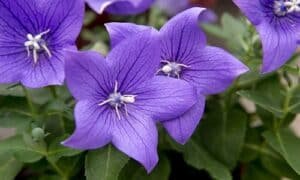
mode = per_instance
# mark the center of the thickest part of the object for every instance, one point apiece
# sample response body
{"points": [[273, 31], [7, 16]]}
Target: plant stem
{"points": [[53, 91], [29, 102]]}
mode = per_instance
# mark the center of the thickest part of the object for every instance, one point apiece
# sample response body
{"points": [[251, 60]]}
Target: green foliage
{"points": [[9, 167], [196, 156], [134, 171], [286, 144], [104, 164]]}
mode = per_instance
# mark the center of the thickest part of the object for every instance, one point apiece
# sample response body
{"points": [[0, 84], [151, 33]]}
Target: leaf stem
{"points": [[57, 169]]}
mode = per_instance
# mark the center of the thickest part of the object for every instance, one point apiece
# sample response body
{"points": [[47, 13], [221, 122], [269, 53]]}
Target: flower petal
{"points": [[11, 69], [278, 46], [165, 98], [87, 75], [120, 7], [94, 126], [135, 60], [212, 70], [47, 71], [252, 9], [18, 18], [137, 137], [181, 36], [63, 18], [120, 31], [182, 128]]}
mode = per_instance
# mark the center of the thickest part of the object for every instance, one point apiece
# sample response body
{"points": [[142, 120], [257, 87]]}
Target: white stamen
{"points": [[36, 43], [116, 99], [172, 68], [293, 6]]}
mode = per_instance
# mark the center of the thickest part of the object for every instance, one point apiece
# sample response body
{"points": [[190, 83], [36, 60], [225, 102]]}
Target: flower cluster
{"points": [[150, 76]]}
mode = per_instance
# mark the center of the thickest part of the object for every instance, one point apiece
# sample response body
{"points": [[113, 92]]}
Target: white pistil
{"points": [[36, 43], [293, 6], [172, 68], [116, 100]]}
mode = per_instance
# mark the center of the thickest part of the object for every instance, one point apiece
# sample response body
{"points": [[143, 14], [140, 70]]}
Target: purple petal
{"points": [[212, 70], [208, 16], [120, 7], [171, 7], [137, 137], [47, 71], [87, 75], [182, 128], [182, 36], [278, 46], [135, 59], [11, 69], [120, 31], [252, 9], [94, 126], [64, 19], [165, 98]]}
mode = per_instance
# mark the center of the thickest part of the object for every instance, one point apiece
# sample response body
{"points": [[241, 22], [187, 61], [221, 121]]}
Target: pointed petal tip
{"points": [[149, 167]]}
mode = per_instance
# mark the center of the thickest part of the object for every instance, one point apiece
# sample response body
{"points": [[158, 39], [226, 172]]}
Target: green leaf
{"points": [[257, 172], [223, 135], [56, 150], [279, 167], [104, 164], [11, 90], [70, 166], [23, 148], [264, 93], [10, 119], [286, 144], [9, 167], [135, 171], [196, 156]]}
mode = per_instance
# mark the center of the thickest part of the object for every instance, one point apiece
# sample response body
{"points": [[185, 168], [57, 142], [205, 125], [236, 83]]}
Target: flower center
{"points": [[36, 44], [172, 69], [117, 100], [283, 7]]}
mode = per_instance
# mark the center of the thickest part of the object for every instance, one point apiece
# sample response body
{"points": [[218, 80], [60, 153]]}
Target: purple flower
{"points": [[119, 97], [184, 55], [120, 7], [32, 38], [278, 24]]}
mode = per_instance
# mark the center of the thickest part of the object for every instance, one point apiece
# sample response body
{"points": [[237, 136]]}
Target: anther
{"points": [[292, 6]]}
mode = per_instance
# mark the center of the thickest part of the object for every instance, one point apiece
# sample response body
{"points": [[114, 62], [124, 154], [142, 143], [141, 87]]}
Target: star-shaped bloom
{"points": [[119, 97], [278, 24], [185, 55], [33, 35], [120, 7]]}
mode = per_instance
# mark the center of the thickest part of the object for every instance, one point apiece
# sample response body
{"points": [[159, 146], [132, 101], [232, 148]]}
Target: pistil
{"points": [[117, 100]]}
